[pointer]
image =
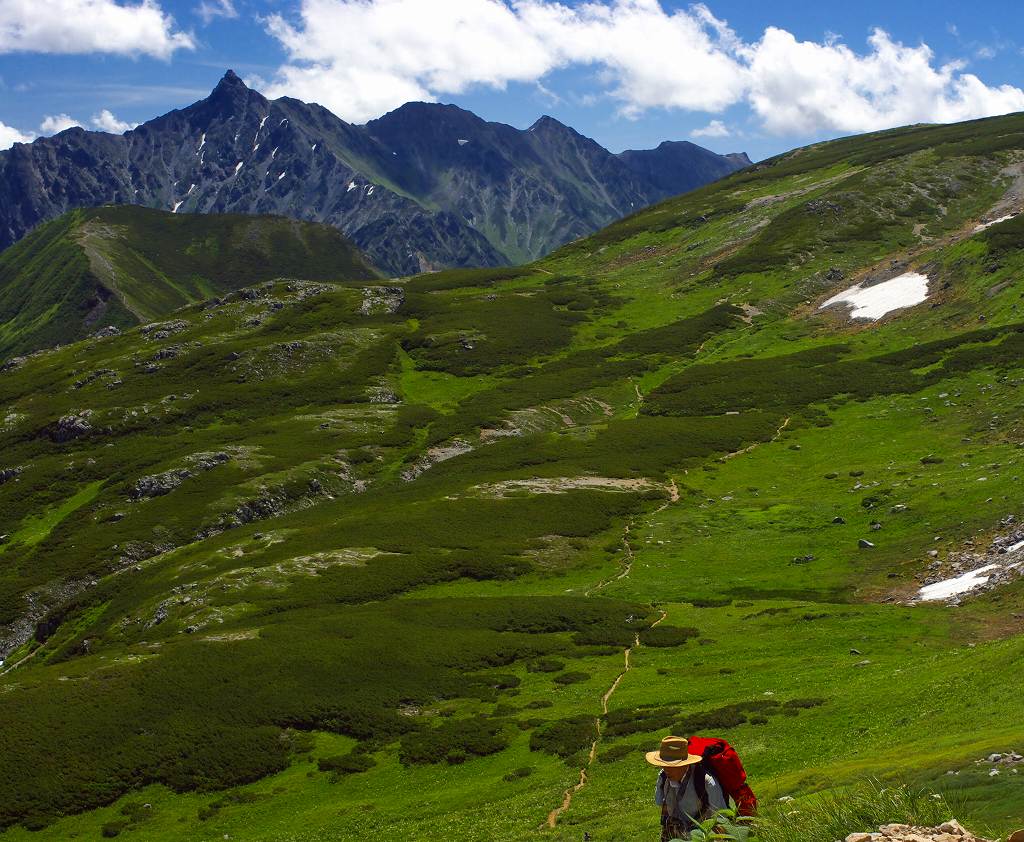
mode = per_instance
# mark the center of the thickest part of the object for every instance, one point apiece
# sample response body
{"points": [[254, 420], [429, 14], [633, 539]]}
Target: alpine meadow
{"points": [[294, 551]]}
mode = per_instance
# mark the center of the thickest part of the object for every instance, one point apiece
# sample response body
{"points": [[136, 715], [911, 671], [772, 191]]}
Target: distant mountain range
{"points": [[426, 186]]}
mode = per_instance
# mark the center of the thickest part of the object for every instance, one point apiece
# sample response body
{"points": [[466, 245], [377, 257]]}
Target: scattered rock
{"points": [[94, 376], [7, 474], [951, 831], [381, 300], [159, 484], [823, 206], [206, 461], [70, 427], [865, 544], [382, 394], [163, 330], [434, 455], [838, 519], [104, 332]]}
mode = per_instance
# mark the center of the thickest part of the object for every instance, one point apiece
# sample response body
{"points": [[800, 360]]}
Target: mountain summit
{"points": [[424, 187]]}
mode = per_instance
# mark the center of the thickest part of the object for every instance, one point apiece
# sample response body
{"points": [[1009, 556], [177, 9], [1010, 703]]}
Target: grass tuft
{"points": [[864, 807]]}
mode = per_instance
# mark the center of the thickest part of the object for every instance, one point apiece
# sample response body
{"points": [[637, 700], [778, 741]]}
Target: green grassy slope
{"points": [[317, 563], [124, 265]]}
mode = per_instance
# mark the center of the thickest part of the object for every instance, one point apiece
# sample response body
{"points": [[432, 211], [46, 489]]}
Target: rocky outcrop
{"points": [[70, 427], [381, 300], [157, 485], [951, 831]]}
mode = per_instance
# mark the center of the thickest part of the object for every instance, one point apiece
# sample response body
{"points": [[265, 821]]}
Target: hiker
{"points": [[686, 791]]}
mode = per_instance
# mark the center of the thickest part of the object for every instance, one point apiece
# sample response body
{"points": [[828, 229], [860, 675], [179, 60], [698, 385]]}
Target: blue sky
{"points": [[731, 75]]}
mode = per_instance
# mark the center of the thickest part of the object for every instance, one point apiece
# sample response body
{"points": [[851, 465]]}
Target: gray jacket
{"points": [[684, 803]]}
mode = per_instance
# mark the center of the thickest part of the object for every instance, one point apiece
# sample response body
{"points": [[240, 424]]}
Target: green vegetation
{"points": [[123, 265], [287, 567], [863, 808]]}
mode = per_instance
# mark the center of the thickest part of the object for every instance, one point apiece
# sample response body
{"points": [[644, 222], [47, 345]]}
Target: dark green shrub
{"points": [[610, 755], [518, 774], [346, 764], [571, 677], [453, 741], [811, 702], [624, 721], [565, 737], [663, 635], [545, 665]]}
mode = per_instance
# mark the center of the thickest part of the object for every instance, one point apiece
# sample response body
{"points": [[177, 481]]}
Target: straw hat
{"points": [[673, 752]]}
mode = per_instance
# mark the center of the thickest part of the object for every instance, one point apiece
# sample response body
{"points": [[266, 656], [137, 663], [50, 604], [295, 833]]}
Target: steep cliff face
{"points": [[424, 187]]}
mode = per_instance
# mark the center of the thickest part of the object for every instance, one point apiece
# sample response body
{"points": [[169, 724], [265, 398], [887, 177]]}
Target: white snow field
{"points": [[952, 587], [875, 301]]}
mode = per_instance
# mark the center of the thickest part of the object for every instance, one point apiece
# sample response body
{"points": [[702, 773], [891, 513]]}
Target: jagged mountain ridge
{"points": [[424, 187]]}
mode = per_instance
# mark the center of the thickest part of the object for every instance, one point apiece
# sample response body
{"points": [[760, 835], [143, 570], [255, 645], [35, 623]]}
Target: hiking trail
{"points": [[757, 444], [555, 814]]}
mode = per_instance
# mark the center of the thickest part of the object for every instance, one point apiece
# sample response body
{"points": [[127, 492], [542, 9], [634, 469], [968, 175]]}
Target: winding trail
{"points": [[555, 814], [626, 569], [757, 444]]}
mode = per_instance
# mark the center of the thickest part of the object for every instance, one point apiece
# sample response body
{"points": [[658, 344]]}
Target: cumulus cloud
{"points": [[208, 10], [361, 58], [801, 87], [105, 121], [10, 135], [716, 128], [57, 123], [89, 26]]}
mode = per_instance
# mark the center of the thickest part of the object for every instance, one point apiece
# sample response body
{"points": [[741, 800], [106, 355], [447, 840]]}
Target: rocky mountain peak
{"points": [[231, 94], [426, 186], [547, 123]]}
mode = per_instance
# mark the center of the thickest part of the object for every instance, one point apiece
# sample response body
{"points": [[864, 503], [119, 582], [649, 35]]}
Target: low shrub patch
{"points": [[565, 737], [453, 741], [663, 635]]}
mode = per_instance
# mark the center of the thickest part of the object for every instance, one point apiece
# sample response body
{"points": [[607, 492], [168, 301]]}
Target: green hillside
{"points": [[324, 562], [122, 266]]}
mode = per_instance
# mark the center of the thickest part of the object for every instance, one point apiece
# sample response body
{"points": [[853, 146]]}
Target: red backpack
{"points": [[722, 761]]}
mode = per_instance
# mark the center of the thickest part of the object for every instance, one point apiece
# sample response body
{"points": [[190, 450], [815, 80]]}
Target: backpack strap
{"points": [[700, 786]]}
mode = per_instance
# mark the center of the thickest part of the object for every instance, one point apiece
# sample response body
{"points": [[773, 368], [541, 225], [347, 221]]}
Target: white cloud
{"points": [[10, 135], [716, 128], [361, 58], [57, 123], [105, 121], [801, 87], [210, 9], [89, 26]]}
